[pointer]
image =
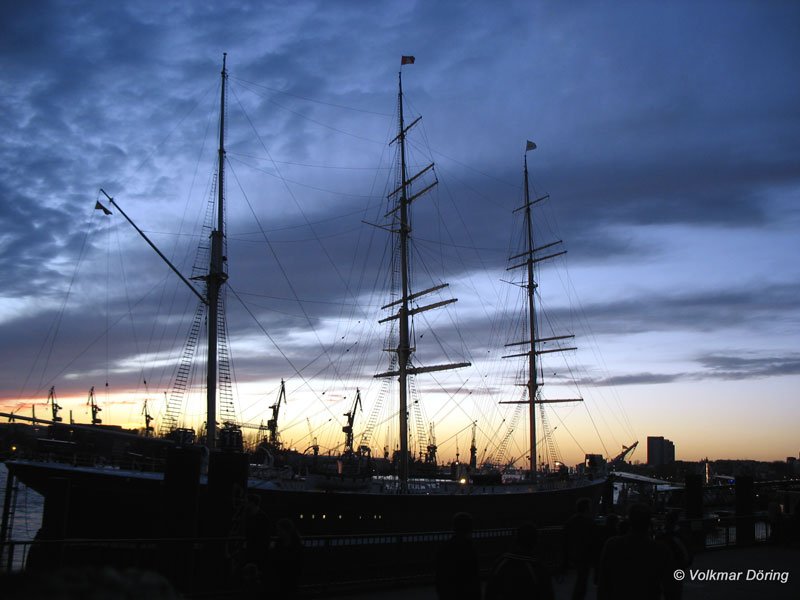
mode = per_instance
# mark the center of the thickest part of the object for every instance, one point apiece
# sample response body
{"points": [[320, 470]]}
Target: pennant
{"points": [[407, 60], [530, 146], [99, 206]]}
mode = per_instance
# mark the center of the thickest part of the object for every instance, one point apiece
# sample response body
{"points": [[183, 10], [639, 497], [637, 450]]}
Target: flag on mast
{"points": [[407, 60], [99, 206], [530, 146]]}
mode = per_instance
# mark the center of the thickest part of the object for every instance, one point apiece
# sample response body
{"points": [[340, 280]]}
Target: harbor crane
{"points": [[351, 417], [272, 424], [54, 406], [620, 458], [95, 408]]}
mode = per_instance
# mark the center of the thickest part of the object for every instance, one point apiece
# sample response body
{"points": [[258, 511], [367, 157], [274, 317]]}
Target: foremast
{"points": [[216, 277], [403, 197], [532, 257]]}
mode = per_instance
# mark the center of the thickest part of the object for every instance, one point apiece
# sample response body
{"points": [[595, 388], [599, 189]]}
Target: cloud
{"points": [[713, 366], [637, 379], [647, 116], [755, 307], [721, 366]]}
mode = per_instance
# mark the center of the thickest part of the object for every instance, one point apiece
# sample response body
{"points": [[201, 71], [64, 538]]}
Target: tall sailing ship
{"points": [[195, 486]]}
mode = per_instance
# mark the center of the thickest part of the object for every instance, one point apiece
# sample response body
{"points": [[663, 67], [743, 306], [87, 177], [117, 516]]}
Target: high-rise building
{"points": [[660, 451]]}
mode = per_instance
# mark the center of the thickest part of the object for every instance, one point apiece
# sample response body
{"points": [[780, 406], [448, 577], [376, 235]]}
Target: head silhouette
{"points": [[583, 506], [527, 535], [639, 518], [462, 524]]}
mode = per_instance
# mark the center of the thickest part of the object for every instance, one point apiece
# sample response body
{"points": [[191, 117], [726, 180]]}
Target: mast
{"points": [[404, 350], [404, 346], [216, 276], [533, 384]]}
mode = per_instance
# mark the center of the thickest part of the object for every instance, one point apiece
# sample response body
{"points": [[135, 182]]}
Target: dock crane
{"points": [[148, 429], [54, 406], [314, 445], [348, 429], [473, 448], [620, 458], [95, 408], [430, 454], [272, 424]]}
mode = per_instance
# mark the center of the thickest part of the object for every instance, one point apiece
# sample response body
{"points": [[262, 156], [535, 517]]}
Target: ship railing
{"points": [[329, 541], [129, 461], [390, 559], [464, 487]]}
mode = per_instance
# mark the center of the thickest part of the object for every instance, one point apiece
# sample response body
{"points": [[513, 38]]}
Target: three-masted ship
{"points": [[111, 502]]}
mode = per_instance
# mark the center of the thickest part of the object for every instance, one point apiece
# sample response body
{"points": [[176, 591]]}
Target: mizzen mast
{"points": [[403, 198], [532, 257]]}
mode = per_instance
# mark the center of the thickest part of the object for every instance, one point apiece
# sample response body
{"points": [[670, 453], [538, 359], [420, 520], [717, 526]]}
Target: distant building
{"points": [[660, 451]]}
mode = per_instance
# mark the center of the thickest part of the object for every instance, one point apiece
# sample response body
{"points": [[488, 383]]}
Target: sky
{"points": [[668, 140]]}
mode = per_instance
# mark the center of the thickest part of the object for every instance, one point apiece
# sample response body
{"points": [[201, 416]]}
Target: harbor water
{"points": [[25, 516]]}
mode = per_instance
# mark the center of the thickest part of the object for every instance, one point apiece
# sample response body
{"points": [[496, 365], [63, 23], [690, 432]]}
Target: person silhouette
{"points": [[457, 574], [611, 528], [518, 573], [679, 555], [579, 545], [287, 557], [633, 566], [257, 532]]}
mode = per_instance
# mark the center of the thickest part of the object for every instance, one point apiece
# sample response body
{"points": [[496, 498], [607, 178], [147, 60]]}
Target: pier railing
{"points": [[329, 563], [719, 532]]}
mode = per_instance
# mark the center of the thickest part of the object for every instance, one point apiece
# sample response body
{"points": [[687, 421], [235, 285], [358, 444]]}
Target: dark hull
{"points": [[321, 513], [86, 502], [82, 502]]}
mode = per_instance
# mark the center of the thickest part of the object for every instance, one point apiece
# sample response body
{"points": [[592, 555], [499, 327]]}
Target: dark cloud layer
{"points": [[715, 366], [706, 311]]}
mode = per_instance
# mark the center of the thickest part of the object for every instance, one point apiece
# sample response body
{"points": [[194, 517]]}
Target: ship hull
{"points": [[492, 507], [88, 502]]}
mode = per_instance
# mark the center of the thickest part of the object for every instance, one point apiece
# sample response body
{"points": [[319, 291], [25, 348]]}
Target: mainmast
{"points": [[404, 345], [404, 198], [533, 384], [216, 276]]}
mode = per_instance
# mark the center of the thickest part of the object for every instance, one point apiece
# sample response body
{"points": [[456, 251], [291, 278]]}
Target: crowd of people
{"points": [[623, 558], [616, 557]]}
